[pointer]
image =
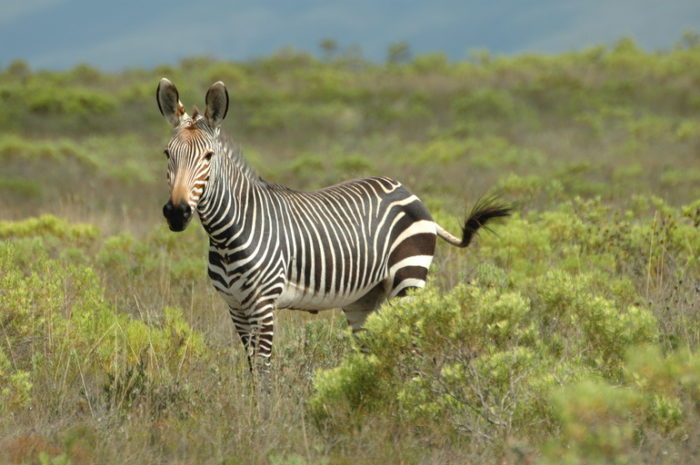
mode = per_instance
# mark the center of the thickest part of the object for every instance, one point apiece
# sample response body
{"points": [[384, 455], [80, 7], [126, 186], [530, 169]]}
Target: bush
{"points": [[650, 416], [550, 342], [598, 424], [56, 318]]}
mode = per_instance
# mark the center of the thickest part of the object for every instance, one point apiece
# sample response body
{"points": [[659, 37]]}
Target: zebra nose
{"points": [[185, 210], [177, 215]]}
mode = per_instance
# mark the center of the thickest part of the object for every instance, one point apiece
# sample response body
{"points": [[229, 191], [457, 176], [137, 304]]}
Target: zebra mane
{"points": [[234, 153]]}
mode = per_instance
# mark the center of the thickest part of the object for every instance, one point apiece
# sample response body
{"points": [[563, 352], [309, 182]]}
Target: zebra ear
{"points": [[169, 102], [217, 104]]}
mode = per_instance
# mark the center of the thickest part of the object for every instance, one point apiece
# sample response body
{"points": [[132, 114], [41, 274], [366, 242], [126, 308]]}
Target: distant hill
{"points": [[59, 34]]}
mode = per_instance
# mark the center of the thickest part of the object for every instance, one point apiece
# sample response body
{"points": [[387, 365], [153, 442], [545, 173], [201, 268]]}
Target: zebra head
{"points": [[195, 140]]}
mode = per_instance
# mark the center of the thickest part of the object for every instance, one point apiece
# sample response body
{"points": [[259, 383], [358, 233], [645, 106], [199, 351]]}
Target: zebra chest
{"points": [[234, 277], [225, 280]]}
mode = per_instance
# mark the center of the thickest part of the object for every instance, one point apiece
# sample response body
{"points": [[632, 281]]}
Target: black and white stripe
{"points": [[349, 246]]}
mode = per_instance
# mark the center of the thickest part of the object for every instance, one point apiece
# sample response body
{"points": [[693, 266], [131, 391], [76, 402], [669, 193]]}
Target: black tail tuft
{"points": [[485, 209]]}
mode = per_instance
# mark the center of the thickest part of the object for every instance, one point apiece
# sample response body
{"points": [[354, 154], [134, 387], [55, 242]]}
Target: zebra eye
{"points": [[167, 154], [207, 156]]}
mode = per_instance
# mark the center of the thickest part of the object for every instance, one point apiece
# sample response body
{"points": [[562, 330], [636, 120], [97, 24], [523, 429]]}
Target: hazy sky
{"points": [[111, 35]]}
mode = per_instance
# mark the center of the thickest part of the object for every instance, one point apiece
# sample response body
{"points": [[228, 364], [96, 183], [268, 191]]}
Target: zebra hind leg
{"points": [[412, 277], [357, 312]]}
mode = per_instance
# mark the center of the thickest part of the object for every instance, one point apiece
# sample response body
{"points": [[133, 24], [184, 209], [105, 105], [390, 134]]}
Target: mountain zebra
{"points": [[349, 246]]}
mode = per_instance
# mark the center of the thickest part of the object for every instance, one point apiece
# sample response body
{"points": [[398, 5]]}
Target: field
{"points": [[567, 334]]}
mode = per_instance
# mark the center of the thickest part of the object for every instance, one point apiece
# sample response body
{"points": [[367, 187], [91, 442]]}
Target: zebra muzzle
{"points": [[178, 216]]}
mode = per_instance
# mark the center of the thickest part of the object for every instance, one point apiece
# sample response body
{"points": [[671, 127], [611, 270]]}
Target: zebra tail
{"points": [[485, 209]]}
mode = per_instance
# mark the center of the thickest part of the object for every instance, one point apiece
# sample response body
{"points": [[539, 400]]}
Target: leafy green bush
{"points": [[487, 104], [22, 187], [15, 147], [56, 318], [17, 387], [552, 342], [459, 355], [48, 226], [598, 423], [653, 412], [69, 101]]}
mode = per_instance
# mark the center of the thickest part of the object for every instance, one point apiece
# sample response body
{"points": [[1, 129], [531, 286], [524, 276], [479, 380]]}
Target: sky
{"points": [[113, 35]]}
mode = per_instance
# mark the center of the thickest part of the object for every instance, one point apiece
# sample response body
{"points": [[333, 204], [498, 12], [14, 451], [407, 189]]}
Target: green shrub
{"points": [[69, 101], [16, 386], [579, 315], [51, 226], [24, 188], [56, 317], [435, 358], [670, 384], [560, 313], [15, 147], [598, 424], [653, 412]]}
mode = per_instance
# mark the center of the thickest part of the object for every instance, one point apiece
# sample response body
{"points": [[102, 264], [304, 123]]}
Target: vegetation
{"points": [[570, 335]]}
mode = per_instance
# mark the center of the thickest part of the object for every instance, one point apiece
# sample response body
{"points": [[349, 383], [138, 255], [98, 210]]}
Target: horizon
{"points": [[688, 38], [110, 37]]}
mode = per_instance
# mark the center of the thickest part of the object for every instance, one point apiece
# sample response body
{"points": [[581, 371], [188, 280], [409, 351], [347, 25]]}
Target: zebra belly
{"points": [[301, 298], [293, 296]]}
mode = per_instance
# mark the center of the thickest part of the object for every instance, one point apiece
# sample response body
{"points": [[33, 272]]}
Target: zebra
{"points": [[352, 245]]}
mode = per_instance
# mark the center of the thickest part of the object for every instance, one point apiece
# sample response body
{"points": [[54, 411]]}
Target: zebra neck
{"points": [[227, 198]]}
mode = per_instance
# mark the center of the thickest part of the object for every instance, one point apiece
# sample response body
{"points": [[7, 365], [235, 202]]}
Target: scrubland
{"points": [[567, 334]]}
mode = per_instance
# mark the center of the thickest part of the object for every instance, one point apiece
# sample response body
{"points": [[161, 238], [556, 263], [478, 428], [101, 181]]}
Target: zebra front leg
{"points": [[256, 330], [244, 330], [262, 322]]}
